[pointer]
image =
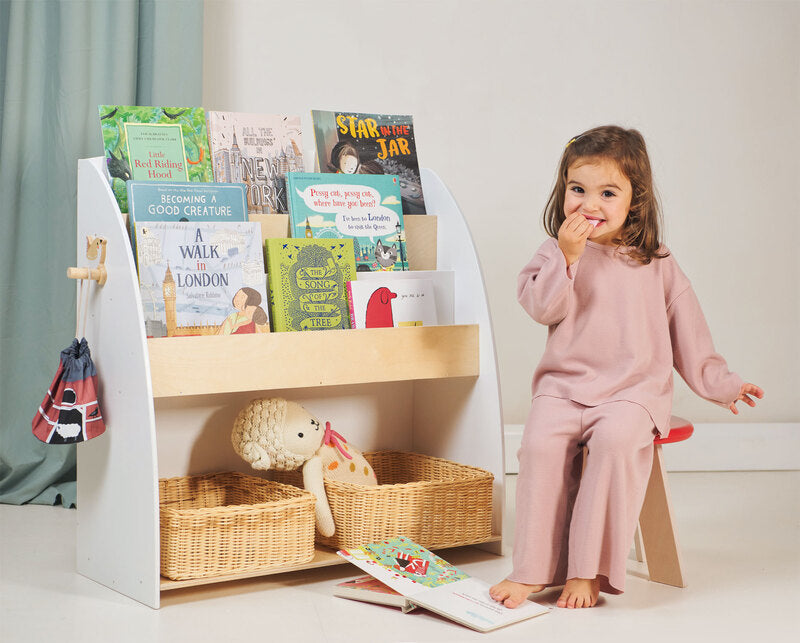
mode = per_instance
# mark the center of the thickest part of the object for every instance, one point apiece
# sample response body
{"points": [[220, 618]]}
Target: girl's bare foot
{"points": [[512, 594], [579, 592]]}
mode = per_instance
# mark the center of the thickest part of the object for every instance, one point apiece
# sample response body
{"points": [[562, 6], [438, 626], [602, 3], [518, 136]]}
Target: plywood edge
{"points": [[323, 557], [224, 364]]}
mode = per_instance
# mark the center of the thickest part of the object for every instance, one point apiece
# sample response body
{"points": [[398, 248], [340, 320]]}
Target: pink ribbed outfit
{"points": [[616, 329]]}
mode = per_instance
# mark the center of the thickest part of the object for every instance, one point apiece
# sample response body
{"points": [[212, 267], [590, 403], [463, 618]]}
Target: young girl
{"points": [[620, 314]]}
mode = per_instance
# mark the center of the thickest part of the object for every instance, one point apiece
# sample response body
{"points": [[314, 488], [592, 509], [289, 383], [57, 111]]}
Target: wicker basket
{"points": [[230, 523], [434, 502]]}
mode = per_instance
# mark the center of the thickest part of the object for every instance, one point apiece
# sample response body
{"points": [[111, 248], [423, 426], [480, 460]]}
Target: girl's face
{"points": [[348, 164], [600, 192], [239, 300]]}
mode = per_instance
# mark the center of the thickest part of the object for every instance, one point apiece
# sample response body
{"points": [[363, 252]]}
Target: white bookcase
{"points": [[169, 404]]}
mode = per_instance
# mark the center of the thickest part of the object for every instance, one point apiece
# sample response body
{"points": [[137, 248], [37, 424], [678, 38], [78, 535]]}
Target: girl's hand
{"points": [[572, 236], [744, 396]]}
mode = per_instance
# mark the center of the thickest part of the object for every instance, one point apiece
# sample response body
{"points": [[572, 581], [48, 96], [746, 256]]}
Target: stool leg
{"points": [[658, 528], [638, 548]]}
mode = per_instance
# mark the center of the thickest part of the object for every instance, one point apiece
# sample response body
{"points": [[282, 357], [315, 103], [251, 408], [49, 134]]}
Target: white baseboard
{"points": [[713, 447]]}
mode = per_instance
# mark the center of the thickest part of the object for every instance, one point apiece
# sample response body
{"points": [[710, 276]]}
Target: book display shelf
{"points": [[169, 403]]}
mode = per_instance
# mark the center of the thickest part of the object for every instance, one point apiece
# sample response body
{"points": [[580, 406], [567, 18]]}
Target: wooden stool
{"points": [[656, 523]]}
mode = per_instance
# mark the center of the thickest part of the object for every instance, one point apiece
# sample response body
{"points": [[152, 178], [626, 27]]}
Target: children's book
{"points": [[371, 590], [308, 283], [167, 144], [257, 150], [361, 207], [355, 143], [148, 201], [203, 278], [443, 288], [387, 303], [431, 582]]}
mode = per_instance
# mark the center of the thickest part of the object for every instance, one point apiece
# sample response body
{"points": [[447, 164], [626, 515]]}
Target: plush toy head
{"points": [[275, 433]]}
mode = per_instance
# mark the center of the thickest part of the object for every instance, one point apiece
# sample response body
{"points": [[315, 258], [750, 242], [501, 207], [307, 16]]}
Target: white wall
{"points": [[498, 87]]}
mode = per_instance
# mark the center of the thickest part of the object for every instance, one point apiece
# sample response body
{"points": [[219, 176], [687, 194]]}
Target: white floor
{"points": [[740, 535]]}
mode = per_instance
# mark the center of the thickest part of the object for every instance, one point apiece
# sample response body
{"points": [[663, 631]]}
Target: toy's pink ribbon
{"points": [[332, 437]]}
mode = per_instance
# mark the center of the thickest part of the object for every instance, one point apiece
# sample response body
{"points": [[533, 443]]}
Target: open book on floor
{"points": [[428, 581], [371, 590]]}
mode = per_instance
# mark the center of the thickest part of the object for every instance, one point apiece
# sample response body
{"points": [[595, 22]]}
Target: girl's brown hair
{"points": [[626, 147], [252, 296]]}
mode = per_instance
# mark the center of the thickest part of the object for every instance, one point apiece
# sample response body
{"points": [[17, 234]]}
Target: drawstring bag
{"points": [[70, 412]]}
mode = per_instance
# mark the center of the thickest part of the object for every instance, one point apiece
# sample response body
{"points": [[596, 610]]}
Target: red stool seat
{"points": [[679, 430]]}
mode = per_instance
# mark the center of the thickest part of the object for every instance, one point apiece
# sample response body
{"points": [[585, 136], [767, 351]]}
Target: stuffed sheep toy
{"points": [[275, 433]]}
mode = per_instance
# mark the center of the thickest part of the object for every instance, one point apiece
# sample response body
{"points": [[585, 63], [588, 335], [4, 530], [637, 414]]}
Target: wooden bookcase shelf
{"points": [[203, 365], [323, 557], [169, 403]]}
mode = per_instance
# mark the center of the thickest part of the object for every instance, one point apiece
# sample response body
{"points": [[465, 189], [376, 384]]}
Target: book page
{"points": [[468, 602]]}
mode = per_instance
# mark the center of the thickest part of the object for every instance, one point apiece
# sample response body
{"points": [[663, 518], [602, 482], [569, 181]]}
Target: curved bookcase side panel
{"points": [[117, 537], [463, 419]]}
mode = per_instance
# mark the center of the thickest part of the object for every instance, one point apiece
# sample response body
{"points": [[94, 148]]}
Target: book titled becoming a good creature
{"points": [[431, 582], [354, 143], [365, 208], [201, 278], [308, 283], [187, 202], [154, 144], [257, 150]]}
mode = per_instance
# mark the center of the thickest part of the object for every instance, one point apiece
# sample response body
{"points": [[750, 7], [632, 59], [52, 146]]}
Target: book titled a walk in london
{"points": [[428, 581]]}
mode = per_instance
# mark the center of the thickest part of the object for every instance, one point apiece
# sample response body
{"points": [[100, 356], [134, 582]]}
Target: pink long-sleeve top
{"points": [[616, 329]]}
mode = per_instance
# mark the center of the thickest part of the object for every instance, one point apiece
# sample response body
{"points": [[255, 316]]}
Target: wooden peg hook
{"points": [[94, 246]]}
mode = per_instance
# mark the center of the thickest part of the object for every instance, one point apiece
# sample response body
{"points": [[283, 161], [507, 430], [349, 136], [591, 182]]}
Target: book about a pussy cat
{"points": [[361, 207]]}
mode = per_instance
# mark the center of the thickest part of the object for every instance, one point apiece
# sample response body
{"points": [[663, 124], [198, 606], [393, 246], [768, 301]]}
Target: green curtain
{"points": [[58, 61]]}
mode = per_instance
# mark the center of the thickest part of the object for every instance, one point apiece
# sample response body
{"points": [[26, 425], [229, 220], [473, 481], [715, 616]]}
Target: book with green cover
{"points": [[307, 281], [154, 144], [364, 207]]}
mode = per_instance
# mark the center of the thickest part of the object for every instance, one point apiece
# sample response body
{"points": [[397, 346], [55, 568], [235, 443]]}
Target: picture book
{"points": [[429, 581], [443, 288], [153, 144], [308, 283], [371, 590], [201, 278], [355, 143], [149, 201], [257, 150], [365, 208], [387, 303]]}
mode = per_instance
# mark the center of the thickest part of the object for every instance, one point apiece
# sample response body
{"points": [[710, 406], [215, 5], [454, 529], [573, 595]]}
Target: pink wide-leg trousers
{"points": [[570, 525]]}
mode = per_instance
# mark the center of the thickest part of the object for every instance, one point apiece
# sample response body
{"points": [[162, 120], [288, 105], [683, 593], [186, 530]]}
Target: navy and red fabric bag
{"points": [[69, 412]]}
